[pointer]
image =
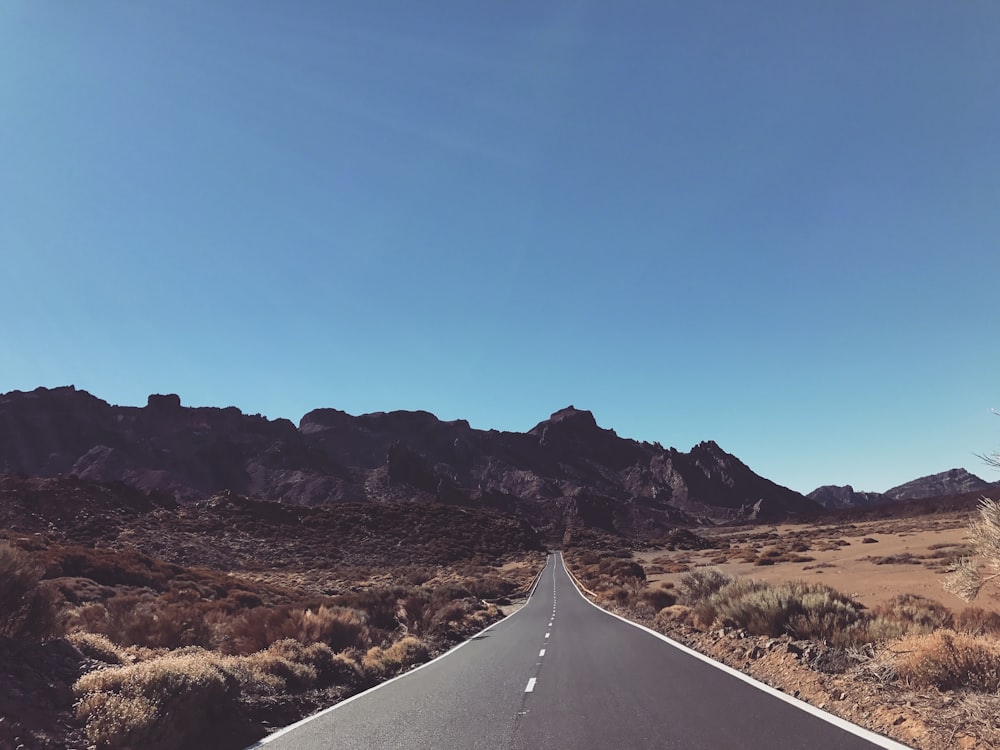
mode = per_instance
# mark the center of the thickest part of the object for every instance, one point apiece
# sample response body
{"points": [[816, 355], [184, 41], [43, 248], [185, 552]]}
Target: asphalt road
{"points": [[561, 673]]}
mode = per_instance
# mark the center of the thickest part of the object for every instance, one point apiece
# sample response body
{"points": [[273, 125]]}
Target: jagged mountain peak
{"points": [[579, 420], [567, 470]]}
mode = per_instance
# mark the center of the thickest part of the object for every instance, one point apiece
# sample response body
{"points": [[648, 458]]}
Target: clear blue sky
{"points": [[771, 224]]}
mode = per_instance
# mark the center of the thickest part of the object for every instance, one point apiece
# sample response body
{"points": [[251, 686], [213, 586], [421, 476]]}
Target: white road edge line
{"points": [[531, 685], [284, 730], [847, 726]]}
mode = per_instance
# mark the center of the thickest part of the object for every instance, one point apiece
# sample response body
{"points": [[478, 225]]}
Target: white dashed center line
{"points": [[531, 685], [542, 652], [548, 634]]}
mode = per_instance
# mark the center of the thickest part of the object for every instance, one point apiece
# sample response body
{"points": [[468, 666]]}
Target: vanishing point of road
{"points": [[560, 674]]}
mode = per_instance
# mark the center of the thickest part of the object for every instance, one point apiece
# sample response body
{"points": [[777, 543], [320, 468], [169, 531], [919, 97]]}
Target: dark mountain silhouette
{"points": [[564, 472], [831, 496], [951, 482]]}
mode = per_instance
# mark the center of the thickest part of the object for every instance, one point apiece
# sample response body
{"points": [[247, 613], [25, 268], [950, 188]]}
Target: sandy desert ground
{"points": [[871, 561]]}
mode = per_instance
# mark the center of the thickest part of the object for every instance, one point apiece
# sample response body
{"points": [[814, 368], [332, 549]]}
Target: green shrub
{"points": [[795, 608], [699, 585]]}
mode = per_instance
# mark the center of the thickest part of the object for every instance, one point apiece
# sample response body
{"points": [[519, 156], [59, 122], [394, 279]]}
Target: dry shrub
{"points": [[275, 672], [26, 607], [146, 620], [901, 616], [948, 660], [620, 595], [449, 619], [110, 567], [300, 666], [901, 558], [977, 621], [668, 616], [657, 599], [489, 586], [171, 702], [699, 585], [924, 615], [795, 608], [386, 662], [337, 627], [99, 647]]}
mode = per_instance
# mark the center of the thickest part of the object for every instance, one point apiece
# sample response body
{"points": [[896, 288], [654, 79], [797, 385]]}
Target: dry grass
{"points": [[26, 607], [386, 662], [948, 660], [214, 649], [129, 706]]}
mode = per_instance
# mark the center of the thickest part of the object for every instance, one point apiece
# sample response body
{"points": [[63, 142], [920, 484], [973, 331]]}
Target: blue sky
{"points": [[771, 224]]}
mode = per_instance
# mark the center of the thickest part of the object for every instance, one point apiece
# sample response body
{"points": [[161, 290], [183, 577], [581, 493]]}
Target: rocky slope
{"points": [[565, 472], [832, 497], [951, 482]]}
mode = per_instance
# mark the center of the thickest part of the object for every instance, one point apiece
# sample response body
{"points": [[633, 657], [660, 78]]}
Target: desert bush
{"points": [[379, 604], [146, 620], [977, 621], [922, 615], [668, 616], [489, 586], [966, 580], [449, 592], [110, 567], [947, 660], [795, 608], [385, 662], [622, 572], [271, 672], [418, 575], [97, 646], [658, 598], [308, 665], [27, 609], [447, 619], [337, 627], [698, 585], [175, 701], [622, 596]]}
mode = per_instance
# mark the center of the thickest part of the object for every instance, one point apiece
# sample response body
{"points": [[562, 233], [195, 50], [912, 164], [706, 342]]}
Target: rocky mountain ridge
{"points": [[951, 482], [565, 472], [943, 484]]}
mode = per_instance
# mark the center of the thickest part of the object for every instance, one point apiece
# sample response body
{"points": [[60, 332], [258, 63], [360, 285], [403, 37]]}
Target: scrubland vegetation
{"points": [[904, 651], [225, 656]]}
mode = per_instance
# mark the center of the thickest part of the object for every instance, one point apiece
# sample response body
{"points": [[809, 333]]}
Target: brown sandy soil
{"points": [[906, 556]]}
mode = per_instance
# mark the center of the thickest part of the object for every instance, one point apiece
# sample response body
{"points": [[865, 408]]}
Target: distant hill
{"points": [[951, 482], [946, 484], [565, 472], [832, 497]]}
